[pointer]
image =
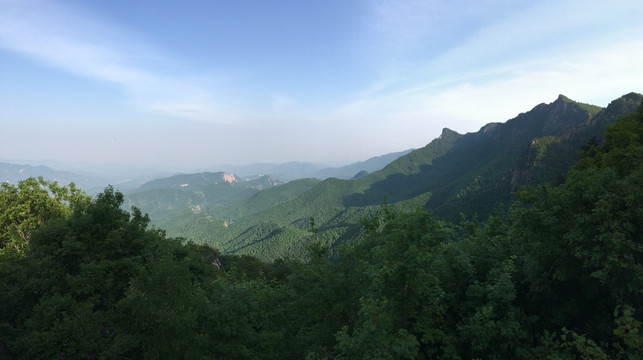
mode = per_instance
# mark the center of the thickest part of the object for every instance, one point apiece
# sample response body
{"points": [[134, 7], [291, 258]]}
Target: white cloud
{"points": [[589, 52], [81, 43]]}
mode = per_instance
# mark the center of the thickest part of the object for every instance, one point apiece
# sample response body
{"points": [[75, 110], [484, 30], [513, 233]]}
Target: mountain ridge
{"points": [[453, 174], [301, 169], [12, 173]]}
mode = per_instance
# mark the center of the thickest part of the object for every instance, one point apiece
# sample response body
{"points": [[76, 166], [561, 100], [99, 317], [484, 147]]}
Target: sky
{"points": [[182, 85]]}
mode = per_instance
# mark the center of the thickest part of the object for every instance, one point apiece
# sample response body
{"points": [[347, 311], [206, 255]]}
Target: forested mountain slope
{"points": [[455, 174]]}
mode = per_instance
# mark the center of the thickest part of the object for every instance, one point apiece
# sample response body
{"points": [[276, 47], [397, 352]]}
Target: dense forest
{"points": [[556, 275]]}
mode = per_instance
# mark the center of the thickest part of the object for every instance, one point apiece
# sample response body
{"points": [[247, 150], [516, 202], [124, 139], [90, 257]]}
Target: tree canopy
{"points": [[30, 204]]}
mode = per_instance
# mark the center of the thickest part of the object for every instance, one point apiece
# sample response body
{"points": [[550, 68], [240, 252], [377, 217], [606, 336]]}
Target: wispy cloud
{"points": [[497, 68], [80, 42]]}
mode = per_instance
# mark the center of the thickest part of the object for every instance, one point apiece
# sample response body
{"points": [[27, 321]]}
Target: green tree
{"points": [[25, 208], [161, 314], [401, 312], [100, 284], [584, 240], [31, 203]]}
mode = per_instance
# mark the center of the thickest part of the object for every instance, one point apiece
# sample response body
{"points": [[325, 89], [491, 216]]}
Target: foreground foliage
{"points": [[30, 204], [557, 276]]}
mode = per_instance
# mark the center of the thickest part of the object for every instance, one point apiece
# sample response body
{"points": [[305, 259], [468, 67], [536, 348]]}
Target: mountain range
{"points": [[299, 169], [277, 210], [127, 181], [454, 175], [12, 173]]}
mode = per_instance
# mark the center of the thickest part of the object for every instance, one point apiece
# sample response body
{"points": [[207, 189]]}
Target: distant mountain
{"points": [[201, 193], [199, 181], [301, 170], [283, 172], [88, 182], [454, 174], [349, 171], [12, 173]]}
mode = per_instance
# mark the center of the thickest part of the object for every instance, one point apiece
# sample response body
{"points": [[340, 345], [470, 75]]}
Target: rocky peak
{"points": [[563, 99], [446, 132], [227, 177]]}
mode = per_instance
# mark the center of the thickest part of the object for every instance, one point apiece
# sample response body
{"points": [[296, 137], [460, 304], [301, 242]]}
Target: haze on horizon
{"points": [[194, 84]]}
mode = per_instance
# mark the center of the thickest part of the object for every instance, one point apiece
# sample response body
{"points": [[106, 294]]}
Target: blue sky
{"points": [[183, 85]]}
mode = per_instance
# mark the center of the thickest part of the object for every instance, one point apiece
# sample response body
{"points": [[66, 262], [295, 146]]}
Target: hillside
{"points": [[455, 174]]}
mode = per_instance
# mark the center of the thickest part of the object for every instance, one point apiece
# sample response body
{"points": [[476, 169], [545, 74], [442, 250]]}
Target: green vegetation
{"points": [[454, 175], [30, 204], [556, 275]]}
